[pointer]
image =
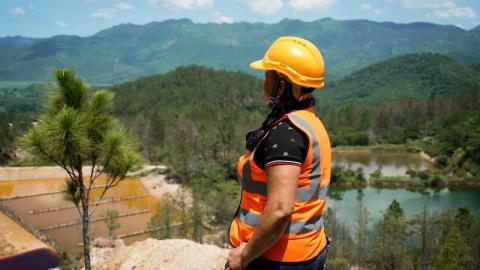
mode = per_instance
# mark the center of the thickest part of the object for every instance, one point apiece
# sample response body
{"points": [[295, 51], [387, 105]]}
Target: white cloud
{"points": [[61, 23], [265, 7], [415, 4], [370, 8], [444, 9], [183, 4], [308, 5], [19, 11], [458, 12], [105, 14], [365, 7], [222, 18], [124, 6], [111, 13]]}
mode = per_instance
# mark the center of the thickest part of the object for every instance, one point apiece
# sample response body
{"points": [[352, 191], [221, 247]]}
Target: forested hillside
{"points": [[192, 113], [413, 76], [17, 111], [201, 113], [207, 113], [127, 51]]}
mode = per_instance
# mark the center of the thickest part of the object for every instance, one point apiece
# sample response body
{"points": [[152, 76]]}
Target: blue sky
{"points": [[44, 18]]}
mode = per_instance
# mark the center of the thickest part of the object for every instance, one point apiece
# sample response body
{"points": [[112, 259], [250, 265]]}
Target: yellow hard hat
{"points": [[297, 58]]}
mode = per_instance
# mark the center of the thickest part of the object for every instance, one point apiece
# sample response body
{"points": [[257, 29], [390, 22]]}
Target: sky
{"points": [[45, 18]]}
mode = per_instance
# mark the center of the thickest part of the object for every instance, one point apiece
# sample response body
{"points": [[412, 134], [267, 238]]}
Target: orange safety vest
{"points": [[304, 236]]}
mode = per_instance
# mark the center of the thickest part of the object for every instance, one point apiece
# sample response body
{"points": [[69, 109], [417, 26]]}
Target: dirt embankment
{"points": [[152, 254], [33, 173], [14, 239]]}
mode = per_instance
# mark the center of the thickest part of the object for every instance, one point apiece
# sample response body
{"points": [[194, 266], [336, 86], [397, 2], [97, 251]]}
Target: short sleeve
{"points": [[284, 144]]}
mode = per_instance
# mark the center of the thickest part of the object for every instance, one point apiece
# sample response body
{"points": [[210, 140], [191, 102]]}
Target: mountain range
{"points": [[128, 51]]}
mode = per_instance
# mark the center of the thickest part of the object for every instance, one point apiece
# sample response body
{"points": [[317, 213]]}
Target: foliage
{"points": [[446, 127], [76, 130], [423, 241], [389, 249], [412, 76], [160, 224], [111, 220], [346, 176], [362, 219], [455, 254]]}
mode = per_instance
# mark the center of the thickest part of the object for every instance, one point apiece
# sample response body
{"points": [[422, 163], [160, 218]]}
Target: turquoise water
{"points": [[377, 200], [393, 163]]}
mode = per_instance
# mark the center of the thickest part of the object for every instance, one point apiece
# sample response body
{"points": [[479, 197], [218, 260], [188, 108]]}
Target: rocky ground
{"points": [[152, 254]]}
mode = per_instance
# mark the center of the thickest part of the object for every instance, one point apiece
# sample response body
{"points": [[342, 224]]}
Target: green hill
{"points": [[128, 51], [206, 110], [412, 76]]}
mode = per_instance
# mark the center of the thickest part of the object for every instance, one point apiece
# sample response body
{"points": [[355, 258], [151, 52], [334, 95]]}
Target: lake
{"points": [[377, 200], [394, 163], [391, 163]]}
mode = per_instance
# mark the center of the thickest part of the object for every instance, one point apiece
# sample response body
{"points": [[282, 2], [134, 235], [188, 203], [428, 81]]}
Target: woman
{"points": [[286, 169]]}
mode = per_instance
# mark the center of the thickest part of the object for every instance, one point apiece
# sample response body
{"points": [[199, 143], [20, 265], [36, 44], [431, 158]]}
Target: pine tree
{"points": [[160, 223], [389, 250], [111, 220], [455, 253], [423, 237], [361, 230], [76, 130]]}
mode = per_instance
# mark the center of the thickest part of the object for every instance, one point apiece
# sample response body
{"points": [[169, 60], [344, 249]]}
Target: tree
{"points": [[476, 241], [361, 230], [423, 237], [161, 222], [77, 130], [111, 218], [389, 249], [455, 253]]}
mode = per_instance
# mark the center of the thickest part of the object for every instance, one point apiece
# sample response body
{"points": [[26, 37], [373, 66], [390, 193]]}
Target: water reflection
{"points": [[391, 163]]}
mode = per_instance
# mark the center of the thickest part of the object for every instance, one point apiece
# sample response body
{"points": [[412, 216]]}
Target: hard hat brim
{"points": [[258, 65]]}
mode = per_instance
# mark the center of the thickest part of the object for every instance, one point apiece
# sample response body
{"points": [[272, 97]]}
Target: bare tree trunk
{"points": [[85, 218], [424, 240]]}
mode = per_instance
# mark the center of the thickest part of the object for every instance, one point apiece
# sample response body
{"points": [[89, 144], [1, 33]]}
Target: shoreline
{"points": [[383, 148]]}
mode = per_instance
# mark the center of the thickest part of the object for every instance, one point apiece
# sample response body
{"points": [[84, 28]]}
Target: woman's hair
{"points": [[286, 103]]}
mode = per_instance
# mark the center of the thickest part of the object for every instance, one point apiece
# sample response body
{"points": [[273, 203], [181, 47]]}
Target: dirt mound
{"points": [[151, 254]]}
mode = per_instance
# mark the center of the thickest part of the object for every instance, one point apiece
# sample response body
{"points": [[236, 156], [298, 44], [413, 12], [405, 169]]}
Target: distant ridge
{"points": [[128, 51], [17, 39], [413, 76]]}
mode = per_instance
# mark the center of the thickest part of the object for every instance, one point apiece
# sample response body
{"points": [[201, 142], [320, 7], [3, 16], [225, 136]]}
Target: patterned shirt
{"points": [[284, 144]]}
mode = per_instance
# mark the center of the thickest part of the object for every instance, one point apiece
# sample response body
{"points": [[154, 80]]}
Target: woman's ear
{"points": [[297, 92]]}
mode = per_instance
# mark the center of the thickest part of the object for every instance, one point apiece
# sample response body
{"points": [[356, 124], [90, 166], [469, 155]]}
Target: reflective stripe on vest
{"points": [[304, 236], [303, 193], [293, 227]]}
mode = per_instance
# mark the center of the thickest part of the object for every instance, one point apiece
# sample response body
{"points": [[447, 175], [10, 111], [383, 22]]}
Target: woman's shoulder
{"points": [[284, 143]]}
